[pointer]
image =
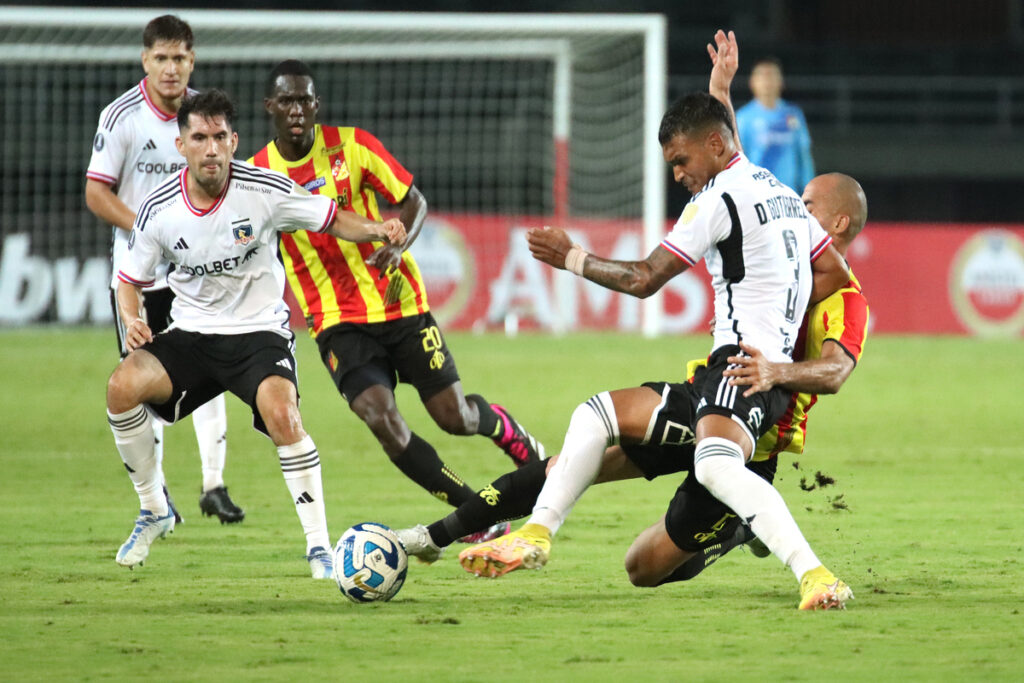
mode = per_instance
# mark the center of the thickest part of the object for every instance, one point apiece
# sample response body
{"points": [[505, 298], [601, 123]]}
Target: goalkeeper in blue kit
{"points": [[773, 131]]}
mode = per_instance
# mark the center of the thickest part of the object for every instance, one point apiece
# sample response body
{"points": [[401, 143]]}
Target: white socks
{"points": [[134, 436], [210, 421], [300, 465], [158, 447], [719, 466], [592, 429]]}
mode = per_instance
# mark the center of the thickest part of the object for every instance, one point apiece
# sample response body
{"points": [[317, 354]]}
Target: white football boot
{"points": [[148, 528], [321, 563], [417, 542]]}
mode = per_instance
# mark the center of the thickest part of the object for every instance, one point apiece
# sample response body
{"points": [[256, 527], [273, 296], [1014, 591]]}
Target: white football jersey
{"points": [[758, 243], [227, 277], [134, 152]]}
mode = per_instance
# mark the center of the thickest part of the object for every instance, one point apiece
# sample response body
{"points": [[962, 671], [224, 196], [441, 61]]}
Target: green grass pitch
{"points": [[925, 523]]}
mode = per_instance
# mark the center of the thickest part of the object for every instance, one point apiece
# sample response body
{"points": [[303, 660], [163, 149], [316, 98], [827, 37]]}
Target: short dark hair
{"points": [[691, 113], [289, 67], [208, 104], [167, 27], [769, 60]]}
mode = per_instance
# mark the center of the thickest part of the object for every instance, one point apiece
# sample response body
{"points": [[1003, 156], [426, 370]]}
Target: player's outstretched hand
{"points": [[136, 334], [725, 61], [549, 245], [751, 369]]}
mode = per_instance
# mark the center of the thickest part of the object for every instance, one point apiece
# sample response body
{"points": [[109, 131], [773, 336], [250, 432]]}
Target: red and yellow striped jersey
{"points": [[330, 277], [841, 318]]}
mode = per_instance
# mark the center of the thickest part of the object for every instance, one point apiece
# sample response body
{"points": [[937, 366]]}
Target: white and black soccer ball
{"points": [[369, 563]]}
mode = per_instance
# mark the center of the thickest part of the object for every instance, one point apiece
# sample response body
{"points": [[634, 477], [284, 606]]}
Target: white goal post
{"points": [[467, 100]]}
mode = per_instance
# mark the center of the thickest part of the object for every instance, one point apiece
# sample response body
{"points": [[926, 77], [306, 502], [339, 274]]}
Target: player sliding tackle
{"points": [[834, 332], [764, 254], [218, 222]]}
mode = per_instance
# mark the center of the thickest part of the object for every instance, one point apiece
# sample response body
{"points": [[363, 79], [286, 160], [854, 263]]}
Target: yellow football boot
{"points": [[527, 548], [820, 589]]}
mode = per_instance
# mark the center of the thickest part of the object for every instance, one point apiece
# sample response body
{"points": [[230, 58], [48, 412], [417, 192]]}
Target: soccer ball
{"points": [[369, 563]]}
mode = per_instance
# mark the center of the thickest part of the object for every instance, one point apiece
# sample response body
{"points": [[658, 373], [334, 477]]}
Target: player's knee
{"points": [[387, 426], [586, 439], [382, 421], [284, 423], [596, 415], [638, 570], [634, 571], [641, 579], [705, 473], [454, 413], [453, 420], [121, 391], [715, 461]]}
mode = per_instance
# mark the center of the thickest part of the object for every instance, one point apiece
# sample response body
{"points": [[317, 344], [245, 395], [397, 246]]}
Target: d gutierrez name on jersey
{"points": [[781, 206], [778, 207]]}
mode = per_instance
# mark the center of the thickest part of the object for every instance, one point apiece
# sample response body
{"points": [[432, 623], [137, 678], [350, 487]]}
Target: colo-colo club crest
{"points": [[242, 231]]}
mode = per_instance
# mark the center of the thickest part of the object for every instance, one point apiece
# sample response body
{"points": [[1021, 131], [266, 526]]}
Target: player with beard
{"points": [[218, 222]]}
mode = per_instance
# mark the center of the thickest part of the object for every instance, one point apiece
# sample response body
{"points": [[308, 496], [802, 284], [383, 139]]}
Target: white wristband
{"points": [[574, 259]]}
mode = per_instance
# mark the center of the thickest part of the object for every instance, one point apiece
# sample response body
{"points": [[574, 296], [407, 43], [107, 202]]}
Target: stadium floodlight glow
{"points": [[546, 115]]}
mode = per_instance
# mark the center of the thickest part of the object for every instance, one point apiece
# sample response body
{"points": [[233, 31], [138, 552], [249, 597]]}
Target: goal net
{"points": [[506, 121]]}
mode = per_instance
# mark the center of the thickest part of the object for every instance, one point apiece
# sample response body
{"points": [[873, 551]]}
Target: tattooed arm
{"points": [[639, 278]]}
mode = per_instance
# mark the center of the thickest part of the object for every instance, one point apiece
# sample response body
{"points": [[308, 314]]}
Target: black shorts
{"points": [[669, 444], [157, 306], [696, 519], [202, 366], [410, 350], [755, 414]]}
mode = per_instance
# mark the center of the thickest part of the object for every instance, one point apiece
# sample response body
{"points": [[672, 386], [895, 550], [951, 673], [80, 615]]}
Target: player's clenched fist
{"points": [[549, 245], [394, 231]]}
